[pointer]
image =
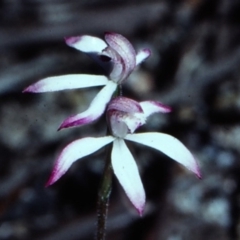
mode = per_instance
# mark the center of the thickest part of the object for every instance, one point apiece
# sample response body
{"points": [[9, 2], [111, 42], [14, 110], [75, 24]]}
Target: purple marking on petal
{"points": [[72, 40], [117, 68], [140, 211], [142, 55], [124, 115], [55, 175], [76, 121], [126, 105], [125, 49], [34, 88], [121, 123], [95, 110], [75, 151], [122, 46], [198, 172], [150, 107]]}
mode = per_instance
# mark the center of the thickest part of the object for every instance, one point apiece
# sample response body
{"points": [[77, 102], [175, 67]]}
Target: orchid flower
{"points": [[117, 50], [124, 117]]}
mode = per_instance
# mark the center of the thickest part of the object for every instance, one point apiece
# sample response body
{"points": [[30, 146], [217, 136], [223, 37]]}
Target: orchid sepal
{"points": [[65, 82], [126, 171], [95, 110], [168, 145], [74, 151]]}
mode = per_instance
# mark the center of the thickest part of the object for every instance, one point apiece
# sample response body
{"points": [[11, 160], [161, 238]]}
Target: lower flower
{"points": [[124, 117]]}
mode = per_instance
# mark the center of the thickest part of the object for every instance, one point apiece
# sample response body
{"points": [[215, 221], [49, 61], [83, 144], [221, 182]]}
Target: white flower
{"points": [[124, 117], [115, 50]]}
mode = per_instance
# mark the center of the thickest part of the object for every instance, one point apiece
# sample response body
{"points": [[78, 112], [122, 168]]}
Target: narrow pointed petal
{"points": [[95, 110], [70, 81], [150, 107], [126, 171], [74, 151], [142, 55], [170, 146], [87, 44]]}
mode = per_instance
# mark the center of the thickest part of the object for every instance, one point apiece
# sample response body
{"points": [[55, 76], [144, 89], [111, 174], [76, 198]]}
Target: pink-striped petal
{"points": [[87, 44], [150, 107], [170, 146], [125, 49], [70, 81], [142, 55], [126, 171], [124, 104], [74, 151], [95, 110]]}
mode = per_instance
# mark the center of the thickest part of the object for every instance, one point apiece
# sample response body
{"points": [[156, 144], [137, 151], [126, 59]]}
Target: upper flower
{"points": [[124, 117], [117, 51]]}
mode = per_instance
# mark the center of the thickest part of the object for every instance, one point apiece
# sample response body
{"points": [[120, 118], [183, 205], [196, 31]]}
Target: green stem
{"points": [[105, 188], [103, 198]]}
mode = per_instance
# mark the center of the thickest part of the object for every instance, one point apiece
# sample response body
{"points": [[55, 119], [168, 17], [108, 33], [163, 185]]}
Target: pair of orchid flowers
{"points": [[124, 115]]}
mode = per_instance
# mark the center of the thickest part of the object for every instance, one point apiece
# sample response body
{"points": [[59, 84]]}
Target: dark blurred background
{"points": [[194, 67]]}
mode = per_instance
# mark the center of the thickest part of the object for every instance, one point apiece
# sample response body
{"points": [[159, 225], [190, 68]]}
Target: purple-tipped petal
{"points": [[142, 55], [70, 81], [95, 110], [125, 49], [150, 107], [74, 151], [126, 171], [170, 146], [87, 44]]}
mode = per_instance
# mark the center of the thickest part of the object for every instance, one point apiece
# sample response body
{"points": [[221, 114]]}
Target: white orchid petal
{"points": [[150, 107], [95, 110], [87, 44], [126, 170], [170, 146], [74, 151], [70, 81], [142, 55]]}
